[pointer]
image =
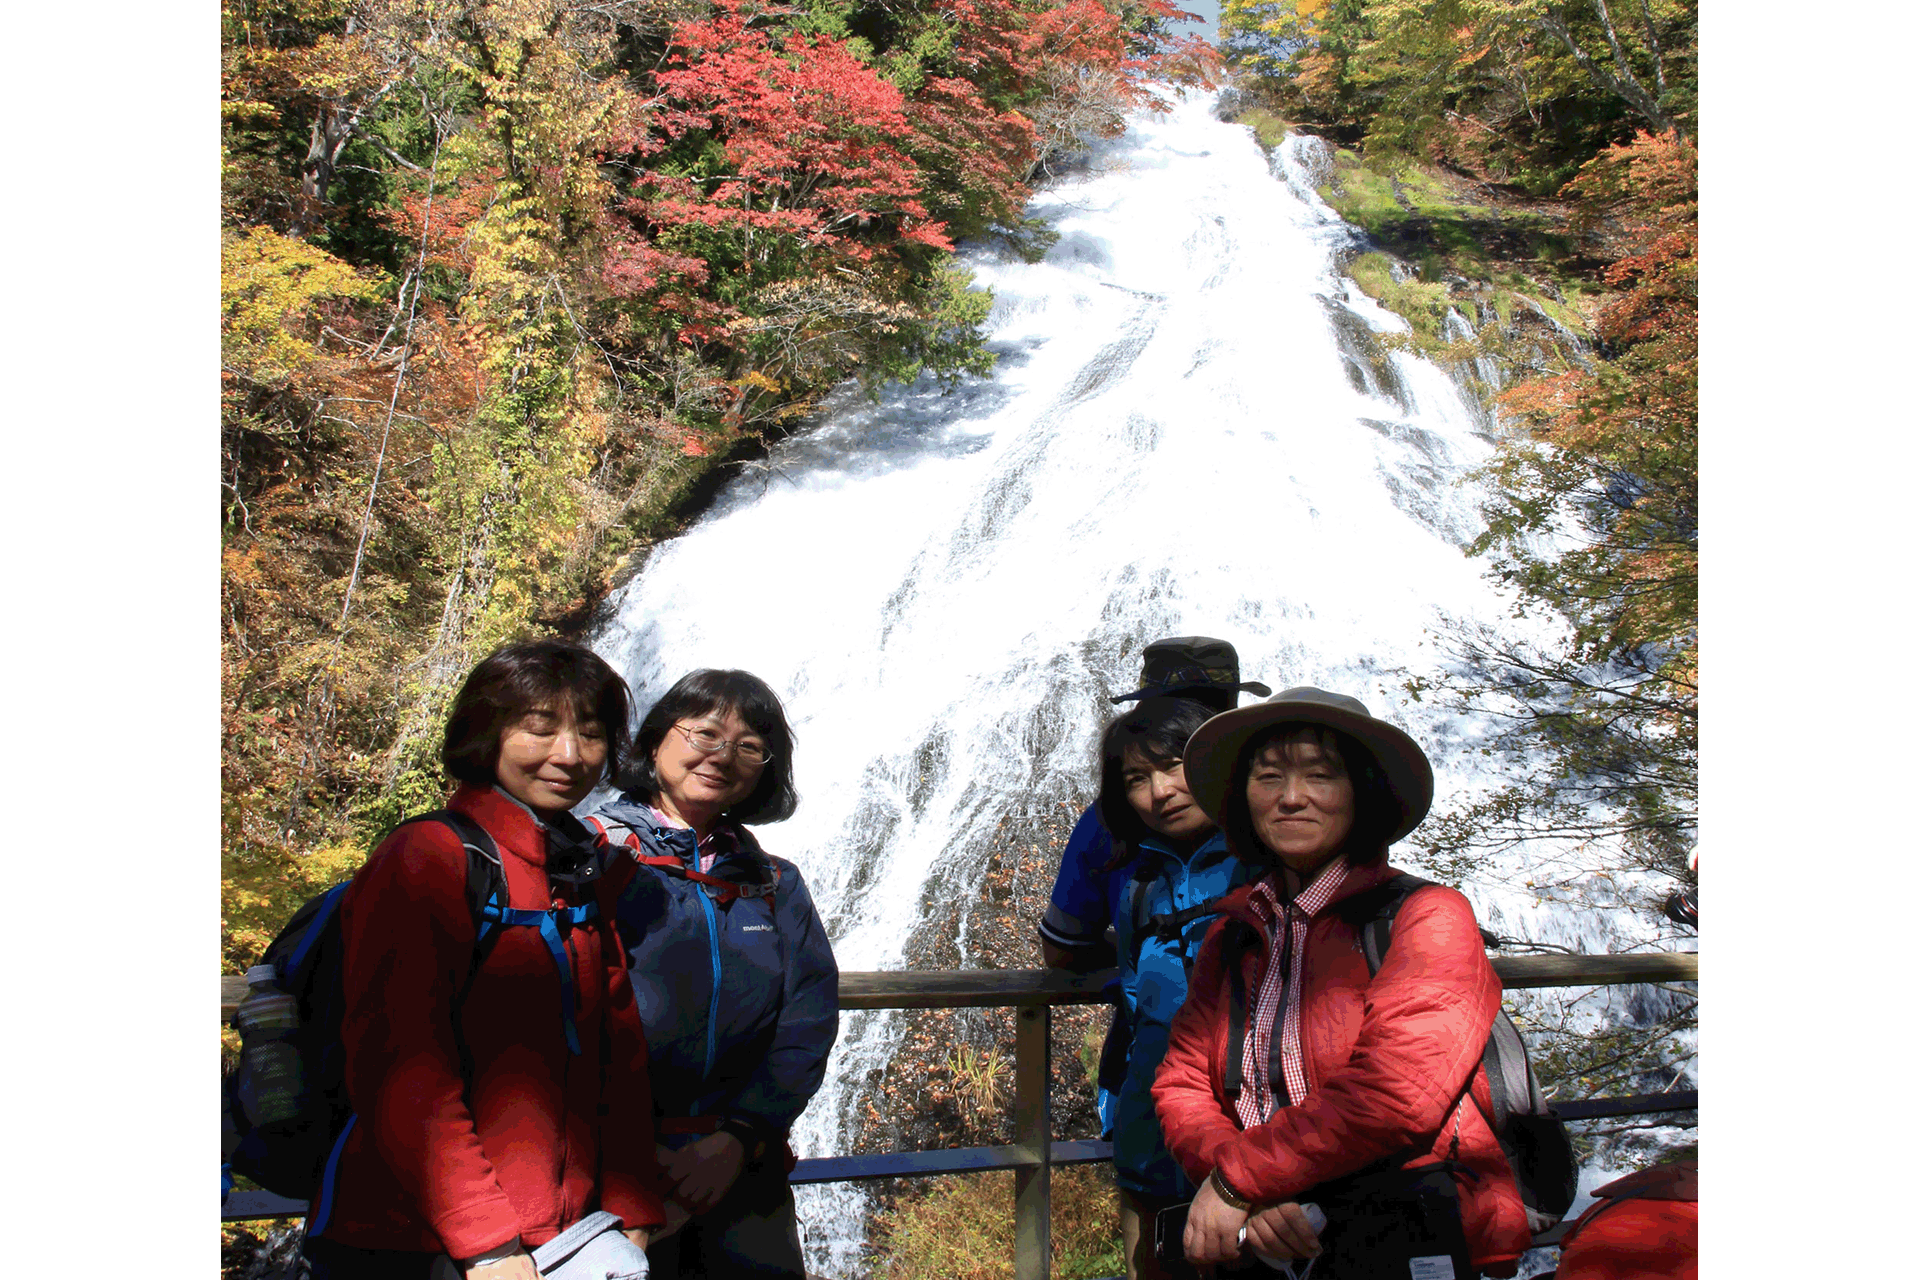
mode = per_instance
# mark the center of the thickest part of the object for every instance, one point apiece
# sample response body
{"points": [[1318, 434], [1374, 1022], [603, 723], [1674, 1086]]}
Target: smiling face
{"points": [[696, 787], [548, 762], [1300, 800], [1157, 790]]}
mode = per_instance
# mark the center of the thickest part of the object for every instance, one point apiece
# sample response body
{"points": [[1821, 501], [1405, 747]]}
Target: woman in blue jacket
{"points": [[1183, 869], [731, 970]]}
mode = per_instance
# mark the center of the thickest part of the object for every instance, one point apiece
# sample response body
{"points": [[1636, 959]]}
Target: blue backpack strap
{"points": [[292, 972], [550, 923], [321, 1211], [487, 896]]}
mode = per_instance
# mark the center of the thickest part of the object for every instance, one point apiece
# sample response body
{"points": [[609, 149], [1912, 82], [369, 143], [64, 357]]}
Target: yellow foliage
{"points": [[259, 894], [270, 287]]}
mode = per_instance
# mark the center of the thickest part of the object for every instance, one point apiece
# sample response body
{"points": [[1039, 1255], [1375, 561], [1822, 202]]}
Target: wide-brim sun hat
{"points": [[1218, 744]]}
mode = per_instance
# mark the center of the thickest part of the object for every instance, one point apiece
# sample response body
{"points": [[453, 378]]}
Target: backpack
{"points": [[1533, 1139], [299, 1156]]}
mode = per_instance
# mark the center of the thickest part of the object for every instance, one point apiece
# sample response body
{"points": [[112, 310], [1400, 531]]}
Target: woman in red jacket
{"points": [[499, 1092], [1291, 1076]]}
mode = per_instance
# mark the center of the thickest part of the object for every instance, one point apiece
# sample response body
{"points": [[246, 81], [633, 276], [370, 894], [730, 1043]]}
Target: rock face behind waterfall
{"points": [[1200, 423]]}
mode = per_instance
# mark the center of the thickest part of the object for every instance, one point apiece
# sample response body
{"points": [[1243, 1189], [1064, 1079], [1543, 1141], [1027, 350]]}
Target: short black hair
{"points": [[704, 692], [1157, 728], [528, 676], [1375, 811]]}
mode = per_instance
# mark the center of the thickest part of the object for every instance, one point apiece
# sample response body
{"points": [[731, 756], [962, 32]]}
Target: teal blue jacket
{"points": [[1157, 950]]}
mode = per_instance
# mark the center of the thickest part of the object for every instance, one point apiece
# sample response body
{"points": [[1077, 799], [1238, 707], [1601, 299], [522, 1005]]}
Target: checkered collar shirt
{"points": [[1286, 928]]}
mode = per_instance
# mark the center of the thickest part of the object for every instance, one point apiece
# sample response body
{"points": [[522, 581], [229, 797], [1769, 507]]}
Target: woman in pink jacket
{"points": [[1291, 1076]]}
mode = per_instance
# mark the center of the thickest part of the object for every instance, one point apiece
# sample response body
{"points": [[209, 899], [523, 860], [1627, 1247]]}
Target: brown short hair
{"points": [[517, 678]]}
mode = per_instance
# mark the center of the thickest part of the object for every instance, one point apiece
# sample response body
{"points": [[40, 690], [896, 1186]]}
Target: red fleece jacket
{"points": [[541, 1136], [1385, 1060]]}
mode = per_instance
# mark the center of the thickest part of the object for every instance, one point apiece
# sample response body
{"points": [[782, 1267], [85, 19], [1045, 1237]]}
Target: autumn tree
{"points": [[1526, 90], [504, 279], [1593, 522]]}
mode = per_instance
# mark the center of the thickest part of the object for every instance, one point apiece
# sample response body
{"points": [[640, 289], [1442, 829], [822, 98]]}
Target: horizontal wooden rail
{"points": [[1030, 988], [1034, 992], [1597, 971], [246, 1206]]}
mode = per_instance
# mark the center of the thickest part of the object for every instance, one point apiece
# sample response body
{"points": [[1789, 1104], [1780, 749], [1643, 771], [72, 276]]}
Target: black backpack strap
{"points": [[1371, 911], [1164, 926], [486, 882], [1235, 939]]}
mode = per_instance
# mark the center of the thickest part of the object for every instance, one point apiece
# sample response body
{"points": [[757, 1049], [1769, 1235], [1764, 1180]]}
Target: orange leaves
{"points": [[445, 216]]}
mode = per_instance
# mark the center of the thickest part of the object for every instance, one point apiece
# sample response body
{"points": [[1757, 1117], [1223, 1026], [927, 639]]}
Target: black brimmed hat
{"points": [[1217, 746], [1189, 664]]}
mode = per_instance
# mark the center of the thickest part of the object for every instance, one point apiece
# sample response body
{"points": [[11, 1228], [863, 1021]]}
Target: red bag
{"points": [[1645, 1226]]}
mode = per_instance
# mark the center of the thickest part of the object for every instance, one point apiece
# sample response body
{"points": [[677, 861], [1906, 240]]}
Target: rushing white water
{"points": [[945, 587]]}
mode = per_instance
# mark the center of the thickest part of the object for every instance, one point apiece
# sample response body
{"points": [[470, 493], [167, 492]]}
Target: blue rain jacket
{"points": [[1153, 985], [741, 1002], [1086, 897]]}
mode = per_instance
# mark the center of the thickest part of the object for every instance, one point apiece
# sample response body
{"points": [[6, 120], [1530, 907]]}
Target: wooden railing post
{"points": [[1032, 1130]]}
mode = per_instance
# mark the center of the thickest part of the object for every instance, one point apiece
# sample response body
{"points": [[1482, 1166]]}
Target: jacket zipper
{"points": [[568, 1212], [713, 1001]]}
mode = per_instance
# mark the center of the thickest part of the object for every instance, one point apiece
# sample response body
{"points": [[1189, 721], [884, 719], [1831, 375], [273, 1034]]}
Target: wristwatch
{"points": [[747, 1134], [1233, 1198]]}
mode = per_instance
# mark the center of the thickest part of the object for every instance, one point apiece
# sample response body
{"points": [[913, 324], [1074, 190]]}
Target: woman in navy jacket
{"points": [[731, 969]]}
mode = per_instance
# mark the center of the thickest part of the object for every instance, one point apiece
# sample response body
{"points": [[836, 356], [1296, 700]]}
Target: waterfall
{"points": [[1188, 432]]}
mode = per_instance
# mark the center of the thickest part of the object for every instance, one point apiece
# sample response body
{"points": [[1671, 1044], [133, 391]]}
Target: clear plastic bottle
{"points": [[267, 1018]]}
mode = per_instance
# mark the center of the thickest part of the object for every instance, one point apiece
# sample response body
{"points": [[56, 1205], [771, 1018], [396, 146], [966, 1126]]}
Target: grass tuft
{"points": [[961, 1228]]}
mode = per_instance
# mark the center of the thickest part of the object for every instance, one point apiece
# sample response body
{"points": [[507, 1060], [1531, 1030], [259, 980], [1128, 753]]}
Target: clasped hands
{"points": [[696, 1176], [519, 1266], [1216, 1230]]}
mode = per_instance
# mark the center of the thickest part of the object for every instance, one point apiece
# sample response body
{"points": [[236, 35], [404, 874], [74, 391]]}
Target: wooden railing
{"points": [[1033, 1152]]}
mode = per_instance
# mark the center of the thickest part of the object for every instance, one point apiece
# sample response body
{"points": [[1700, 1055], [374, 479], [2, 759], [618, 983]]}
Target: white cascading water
{"points": [[945, 587]]}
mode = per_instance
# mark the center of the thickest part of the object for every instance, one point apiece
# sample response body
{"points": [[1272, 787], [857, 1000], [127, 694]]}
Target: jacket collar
{"points": [[1212, 849], [1358, 880], [512, 825], [631, 812]]}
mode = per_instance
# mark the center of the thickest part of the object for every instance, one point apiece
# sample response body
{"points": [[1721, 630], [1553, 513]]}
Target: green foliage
{"points": [[1417, 212], [1521, 90], [1268, 128], [261, 892], [1424, 306]]}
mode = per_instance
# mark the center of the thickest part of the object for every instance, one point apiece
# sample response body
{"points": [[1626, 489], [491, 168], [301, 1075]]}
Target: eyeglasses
{"points": [[709, 743]]}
